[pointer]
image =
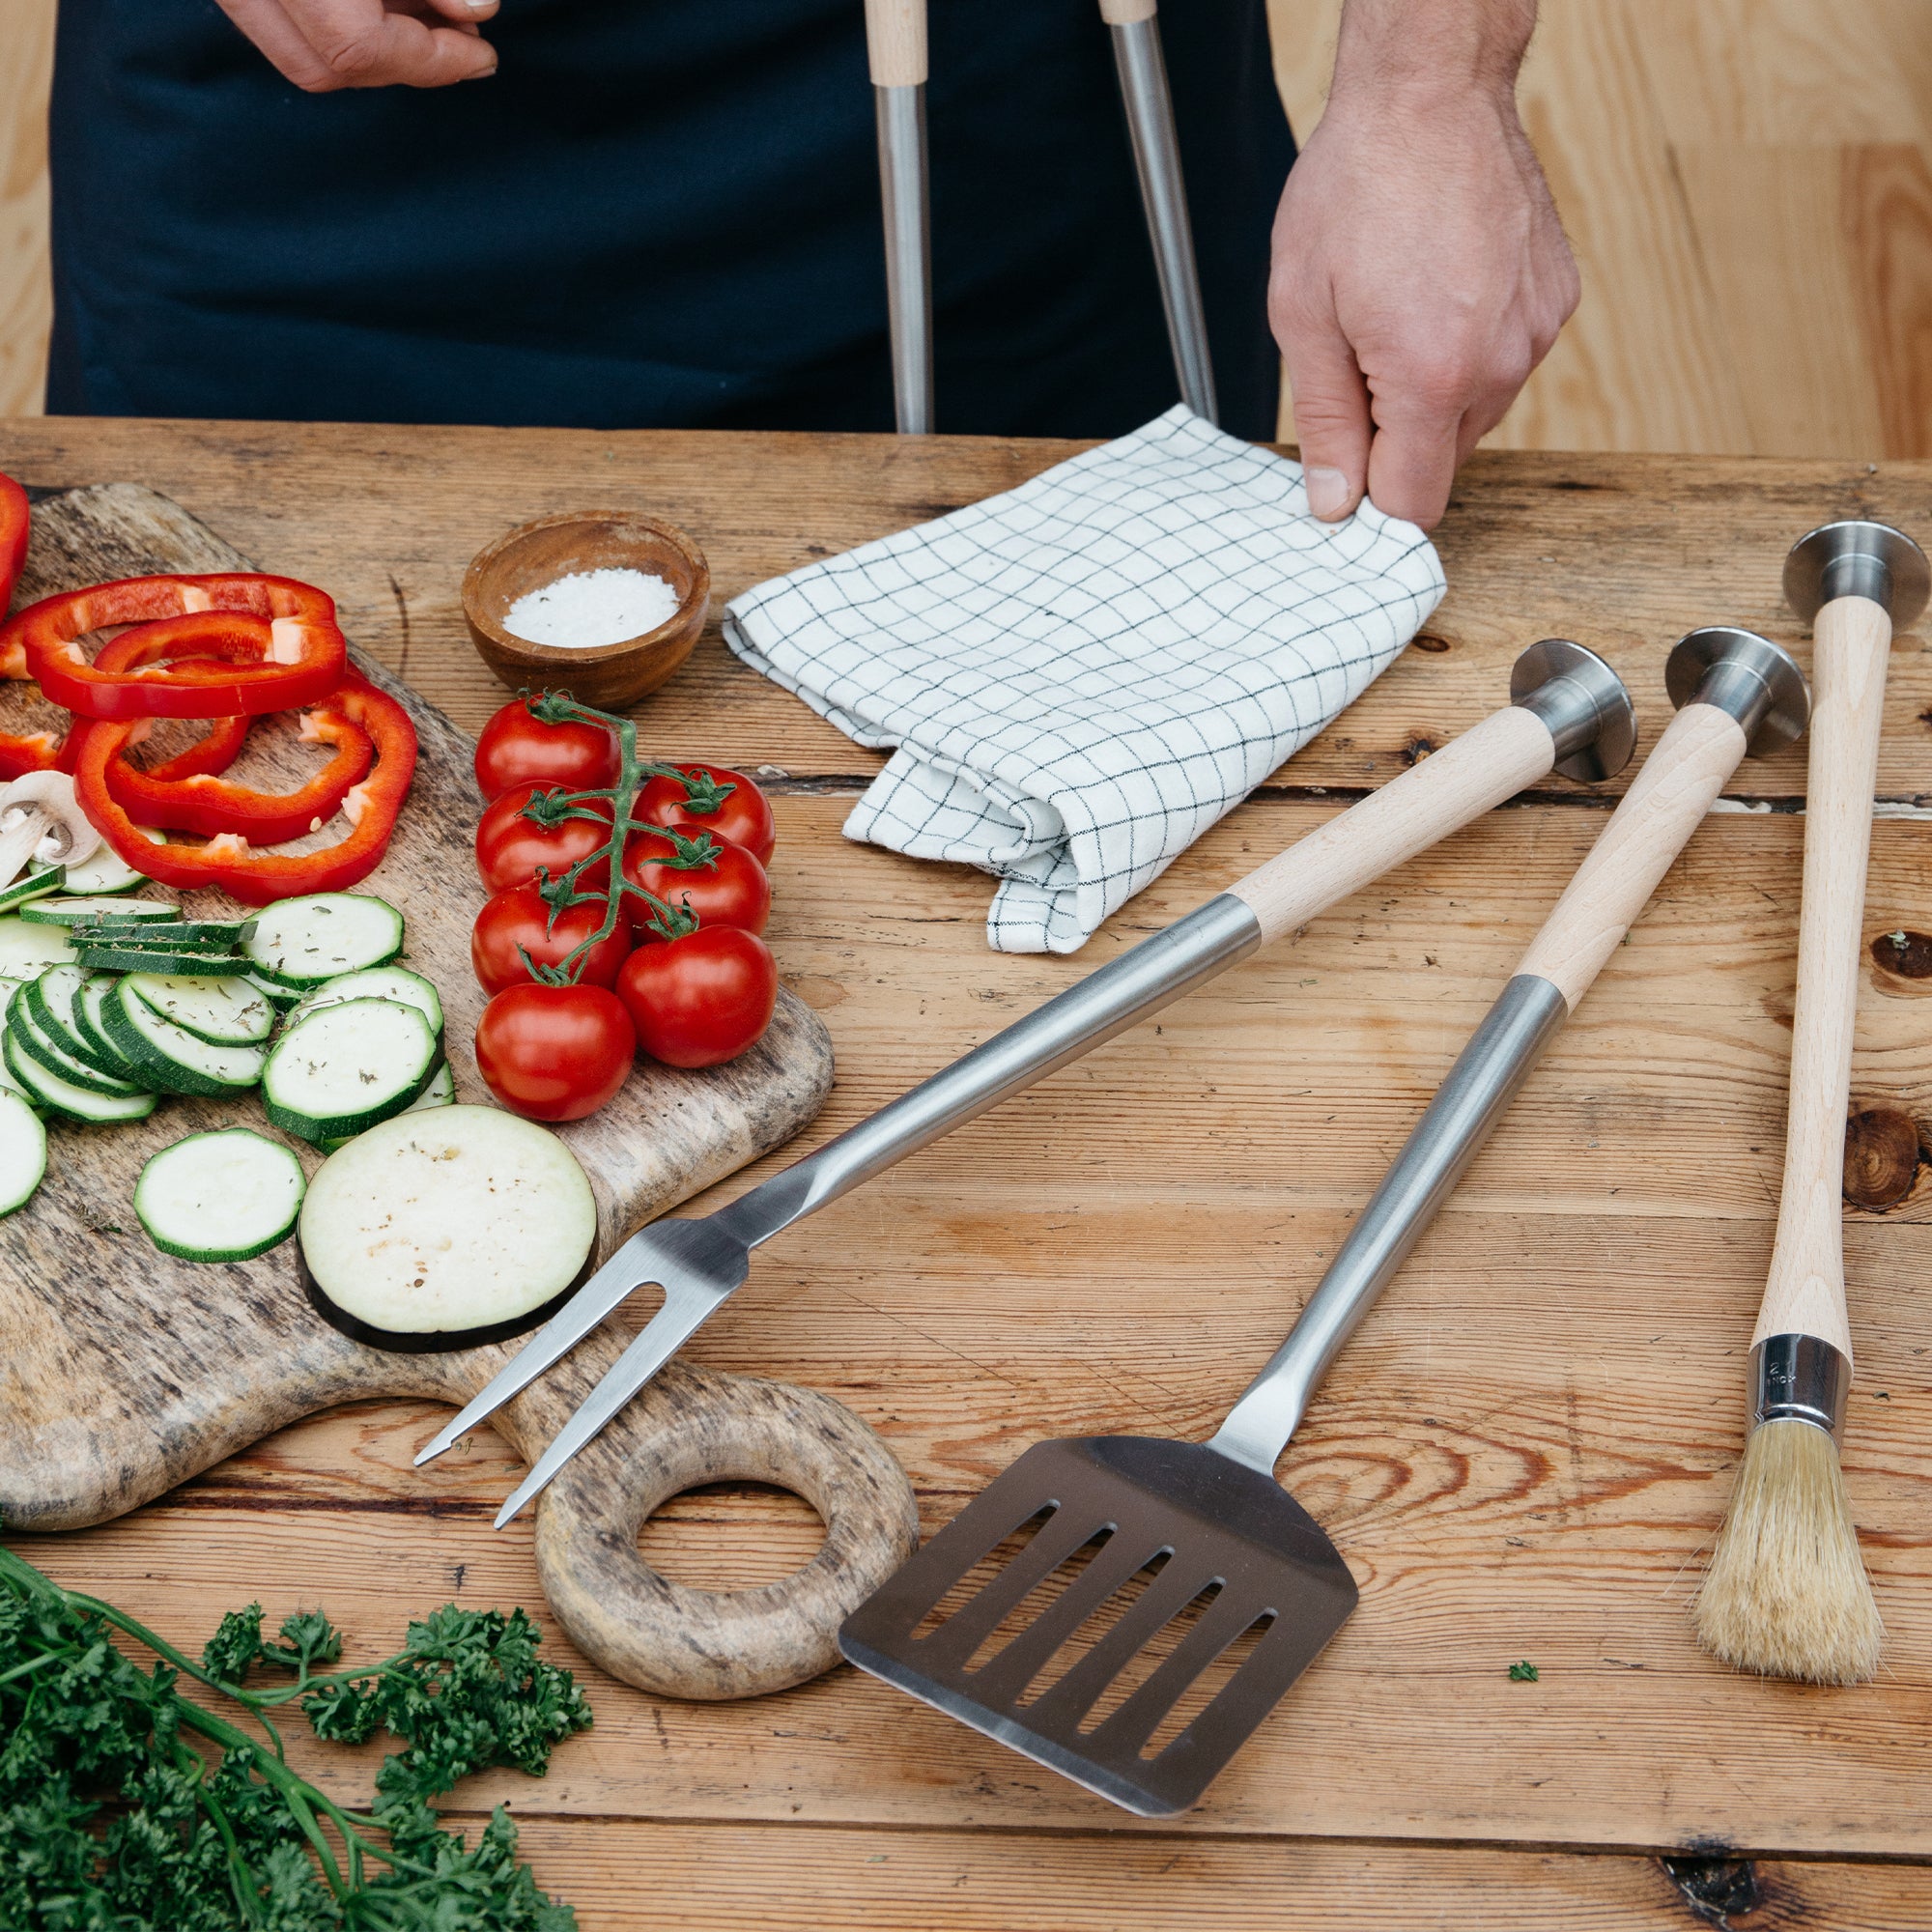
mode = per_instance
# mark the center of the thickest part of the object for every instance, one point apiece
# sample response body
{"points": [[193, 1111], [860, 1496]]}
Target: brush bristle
{"points": [[1787, 1592]]}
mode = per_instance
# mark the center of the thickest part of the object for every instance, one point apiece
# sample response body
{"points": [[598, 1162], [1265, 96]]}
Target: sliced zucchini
{"points": [[116, 956], [346, 1068], [224, 1012], [107, 872], [375, 982], [52, 1000], [79, 1104], [100, 1050], [44, 1050], [61, 910], [33, 885], [440, 1230], [171, 1059], [303, 942], [440, 1093], [211, 935], [26, 952], [282, 998], [23, 1151], [219, 1197]]}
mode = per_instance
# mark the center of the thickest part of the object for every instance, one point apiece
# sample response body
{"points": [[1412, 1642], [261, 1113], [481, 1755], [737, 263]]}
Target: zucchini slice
{"points": [[79, 1105], [440, 1093], [303, 942], [168, 1056], [100, 1051], [344, 1068], [41, 1047], [220, 1197], [107, 872], [23, 1151], [58, 909], [33, 885], [278, 995], [26, 952], [224, 1012], [375, 982], [443, 1228], [112, 955]]}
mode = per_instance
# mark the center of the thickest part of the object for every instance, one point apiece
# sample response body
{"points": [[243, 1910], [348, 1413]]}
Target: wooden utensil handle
{"points": [[1124, 13], [896, 42], [1489, 763], [1805, 1293], [1665, 806]]}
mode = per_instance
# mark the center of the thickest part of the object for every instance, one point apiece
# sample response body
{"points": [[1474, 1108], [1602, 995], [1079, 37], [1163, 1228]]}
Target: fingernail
{"points": [[484, 73], [1329, 491]]}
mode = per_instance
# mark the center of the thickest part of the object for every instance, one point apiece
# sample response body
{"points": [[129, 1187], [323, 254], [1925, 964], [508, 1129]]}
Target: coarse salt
{"points": [[591, 608]]}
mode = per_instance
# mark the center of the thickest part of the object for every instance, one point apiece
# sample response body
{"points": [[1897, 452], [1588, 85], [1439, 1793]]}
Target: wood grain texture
{"points": [[1805, 1292], [128, 1370], [1523, 1452], [26, 285]]}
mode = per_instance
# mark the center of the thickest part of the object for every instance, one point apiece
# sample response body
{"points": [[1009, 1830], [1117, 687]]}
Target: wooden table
{"points": [[1525, 1452]]}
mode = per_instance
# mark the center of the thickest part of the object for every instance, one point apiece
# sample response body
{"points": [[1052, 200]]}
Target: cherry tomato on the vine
{"points": [[732, 889], [511, 846], [700, 999], [520, 917], [554, 1053], [744, 817], [516, 749]]}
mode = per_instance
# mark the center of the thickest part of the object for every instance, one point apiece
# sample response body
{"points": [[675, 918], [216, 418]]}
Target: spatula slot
{"points": [[1149, 1656], [1099, 1621], [1051, 1588], [970, 1583], [1206, 1687]]}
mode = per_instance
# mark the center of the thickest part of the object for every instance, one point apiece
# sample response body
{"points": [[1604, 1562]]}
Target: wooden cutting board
{"points": [[125, 1371]]}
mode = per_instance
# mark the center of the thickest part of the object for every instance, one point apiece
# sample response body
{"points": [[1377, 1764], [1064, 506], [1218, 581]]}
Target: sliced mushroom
{"points": [[41, 820]]}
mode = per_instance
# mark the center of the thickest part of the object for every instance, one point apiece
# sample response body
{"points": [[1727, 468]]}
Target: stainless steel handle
{"points": [[1471, 1101], [902, 189], [1142, 980], [1144, 91]]}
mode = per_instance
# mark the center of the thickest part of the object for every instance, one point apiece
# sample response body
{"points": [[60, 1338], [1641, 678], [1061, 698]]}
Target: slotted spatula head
{"points": [[1123, 1609]]}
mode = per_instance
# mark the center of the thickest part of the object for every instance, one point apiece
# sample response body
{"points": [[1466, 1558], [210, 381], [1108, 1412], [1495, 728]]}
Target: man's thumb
{"points": [[1331, 422]]}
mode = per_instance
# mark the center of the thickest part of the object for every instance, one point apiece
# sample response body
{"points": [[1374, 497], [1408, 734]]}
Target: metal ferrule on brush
{"points": [[1797, 1378]]}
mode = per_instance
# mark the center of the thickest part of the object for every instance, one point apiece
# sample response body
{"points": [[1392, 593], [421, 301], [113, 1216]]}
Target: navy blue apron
{"points": [[658, 212]]}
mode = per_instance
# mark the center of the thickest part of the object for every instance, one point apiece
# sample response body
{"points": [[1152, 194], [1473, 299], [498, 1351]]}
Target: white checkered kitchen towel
{"points": [[1080, 677]]}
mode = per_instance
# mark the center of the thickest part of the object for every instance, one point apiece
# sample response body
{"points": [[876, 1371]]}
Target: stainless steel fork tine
{"points": [[1005, 1675], [1164, 1597], [662, 1335]]}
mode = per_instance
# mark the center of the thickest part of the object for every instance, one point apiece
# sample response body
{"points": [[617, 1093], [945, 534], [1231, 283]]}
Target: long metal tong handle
{"points": [[1149, 109], [895, 52], [1663, 806]]}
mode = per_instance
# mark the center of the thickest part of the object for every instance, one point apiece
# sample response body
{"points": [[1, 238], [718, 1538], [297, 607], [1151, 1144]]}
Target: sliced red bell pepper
{"points": [[227, 860], [214, 753], [207, 646], [12, 537], [210, 804]]}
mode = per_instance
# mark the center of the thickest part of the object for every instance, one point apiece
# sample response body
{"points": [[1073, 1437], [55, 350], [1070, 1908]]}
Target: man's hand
{"points": [[322, 45], [1420, 271]]}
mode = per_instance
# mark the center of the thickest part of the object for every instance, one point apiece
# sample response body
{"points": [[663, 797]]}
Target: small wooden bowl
{"points": [[610, 676]]}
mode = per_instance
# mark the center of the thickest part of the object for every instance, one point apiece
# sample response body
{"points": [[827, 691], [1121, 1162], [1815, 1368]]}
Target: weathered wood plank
{"points": [[1623, 553], [1523, 1453], [760, 1879]]}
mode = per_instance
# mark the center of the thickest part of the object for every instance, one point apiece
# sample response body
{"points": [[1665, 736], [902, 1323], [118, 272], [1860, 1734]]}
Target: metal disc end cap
{"points": [[1584, 703], [1858, 559], [1757, 681]]}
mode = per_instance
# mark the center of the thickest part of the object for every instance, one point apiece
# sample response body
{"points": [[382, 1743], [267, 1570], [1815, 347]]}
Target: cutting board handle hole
{"points": [[731, 1536]]}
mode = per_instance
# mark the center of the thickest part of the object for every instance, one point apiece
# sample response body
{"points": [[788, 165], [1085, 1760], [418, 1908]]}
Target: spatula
{"points": [[1190, 1550], [1571, 713]]}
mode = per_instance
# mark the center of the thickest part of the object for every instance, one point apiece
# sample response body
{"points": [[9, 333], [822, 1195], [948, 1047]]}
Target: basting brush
{"points": [[1787, 1592]]}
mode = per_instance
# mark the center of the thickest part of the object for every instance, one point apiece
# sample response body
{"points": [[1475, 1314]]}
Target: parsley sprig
{"points": [[196, 1842]]}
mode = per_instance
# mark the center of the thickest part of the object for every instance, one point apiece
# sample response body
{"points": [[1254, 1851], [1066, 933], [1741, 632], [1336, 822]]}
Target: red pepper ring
{"points": [[281, 645], [214, 752], [210, 804], [226, 860], [13, 516]]}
